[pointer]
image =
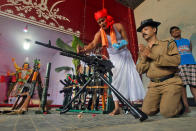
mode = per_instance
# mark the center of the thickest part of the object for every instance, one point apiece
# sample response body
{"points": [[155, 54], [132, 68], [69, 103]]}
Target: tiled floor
{"points": [[94, 122]]}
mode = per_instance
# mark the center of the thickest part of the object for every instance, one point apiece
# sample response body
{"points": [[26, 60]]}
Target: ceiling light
{"points": [[25, 29], [26, 44]]}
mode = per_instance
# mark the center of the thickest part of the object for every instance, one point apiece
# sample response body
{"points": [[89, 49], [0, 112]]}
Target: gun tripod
{"points": [[138, 114]]}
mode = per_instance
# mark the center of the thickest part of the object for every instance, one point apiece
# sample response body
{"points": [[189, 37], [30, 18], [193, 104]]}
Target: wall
{"points": [[169, 12], [54, 85]]}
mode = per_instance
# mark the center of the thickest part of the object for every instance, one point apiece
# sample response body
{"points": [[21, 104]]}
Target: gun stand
{"points": [[98, 74]]}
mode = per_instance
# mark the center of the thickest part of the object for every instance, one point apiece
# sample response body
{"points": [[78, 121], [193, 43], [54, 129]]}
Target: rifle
{"points": [[27, 90], [101, 67], [31, 85], [45, 90]]}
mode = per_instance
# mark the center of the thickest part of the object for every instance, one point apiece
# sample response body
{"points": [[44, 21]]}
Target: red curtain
{"points": [[133, 45], [2, 79]]}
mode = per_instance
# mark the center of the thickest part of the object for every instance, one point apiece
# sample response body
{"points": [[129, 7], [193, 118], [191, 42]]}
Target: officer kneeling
{"points": [[160, 60]]}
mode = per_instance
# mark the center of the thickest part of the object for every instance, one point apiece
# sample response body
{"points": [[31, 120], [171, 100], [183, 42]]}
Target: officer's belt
{"points": [[162, 79]]}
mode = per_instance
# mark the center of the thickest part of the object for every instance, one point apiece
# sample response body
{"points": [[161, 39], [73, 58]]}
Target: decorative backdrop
{"points": [[74, 17], [46, 13]]}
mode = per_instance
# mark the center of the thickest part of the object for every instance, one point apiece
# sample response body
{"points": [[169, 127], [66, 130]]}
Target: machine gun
{"points": [[96, 61], [101, 67]]}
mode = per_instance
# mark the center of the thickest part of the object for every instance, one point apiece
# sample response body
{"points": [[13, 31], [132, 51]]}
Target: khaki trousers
{"points": [[164, 97]]}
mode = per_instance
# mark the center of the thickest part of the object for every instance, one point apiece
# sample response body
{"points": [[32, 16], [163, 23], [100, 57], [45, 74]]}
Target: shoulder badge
{"points": [[170, 41]]}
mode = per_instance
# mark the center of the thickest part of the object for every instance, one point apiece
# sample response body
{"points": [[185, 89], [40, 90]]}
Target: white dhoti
{"points": [[125, 77]]}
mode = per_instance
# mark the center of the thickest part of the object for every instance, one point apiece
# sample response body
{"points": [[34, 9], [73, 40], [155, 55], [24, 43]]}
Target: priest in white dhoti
{"points": [[125, 77]]}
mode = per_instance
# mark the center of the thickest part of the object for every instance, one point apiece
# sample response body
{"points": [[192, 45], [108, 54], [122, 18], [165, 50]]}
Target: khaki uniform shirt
{"points": [[162, 61]]}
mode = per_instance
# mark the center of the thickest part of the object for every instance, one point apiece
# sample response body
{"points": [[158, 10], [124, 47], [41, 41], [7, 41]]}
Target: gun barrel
{"points": [[63, 52], [48, 45], [74, 55]]}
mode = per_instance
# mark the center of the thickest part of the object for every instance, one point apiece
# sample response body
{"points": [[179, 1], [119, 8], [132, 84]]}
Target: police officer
{"points": [[159, 60]]}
